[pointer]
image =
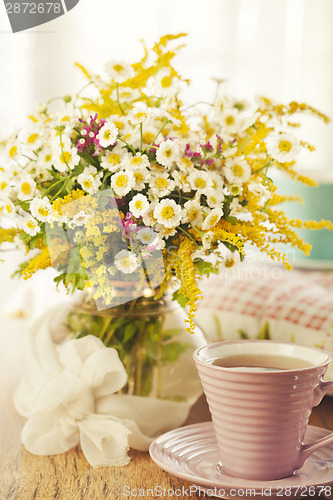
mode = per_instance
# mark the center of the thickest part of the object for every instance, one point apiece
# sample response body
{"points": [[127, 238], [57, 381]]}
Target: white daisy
{"points": [[33, 140], [122, 182], [161, 185], [165, 84], [42, 174], [185, 164], [236, 170], [65, 157], [7, 207], [147, 236], [149, 218], [212, 218], [5, 186], [149, 135], [26, 188], [217, 179], [139, 160], [14, 171], [119, 71], [168, 213], [141, 176], [139, 114], [283, 147], [30, 226], [228, 120], [107, 135], [126, 261], [79, 219], [116, 159], [214, 198], [168, 152], [41, 208], [192, 213], [131, 136], [181, 180], [166, 232], [261, 191], [90, 180], [200, 181], [139, 205], [162, 114], [13, 148]]}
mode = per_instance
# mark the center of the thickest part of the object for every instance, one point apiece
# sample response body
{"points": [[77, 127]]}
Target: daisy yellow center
{"points": [[238, 170], [31, 225], [214, 184], [114, 159], [88, 183], [32, 138], [139, 204], [168, 152], [107, 135], [119, 125], [43, 211], [229, 120], [125, 262], [229, 263], [213, 200], [192, 213], [26, 188], [136, 160], [48, 157], [65, 119], [161, 183], [141, 115], [9, 209], [186, 162], [121, 181], [234, 189], [13, 151], [285, 146], [148, 137], [213, 220], [3, 185], [167, 213], [200, 183], [145, 237], [118, 68], [166, 82], [65, 157], [138, 176]]}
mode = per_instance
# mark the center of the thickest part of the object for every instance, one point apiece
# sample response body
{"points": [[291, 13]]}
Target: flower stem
{"points": [[118, 101]]}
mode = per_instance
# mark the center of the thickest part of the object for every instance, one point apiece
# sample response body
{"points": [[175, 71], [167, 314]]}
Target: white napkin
{"points": [[68, 397]]}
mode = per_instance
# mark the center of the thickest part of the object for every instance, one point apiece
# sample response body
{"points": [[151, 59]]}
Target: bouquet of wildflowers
{"points": [[126, 158]]}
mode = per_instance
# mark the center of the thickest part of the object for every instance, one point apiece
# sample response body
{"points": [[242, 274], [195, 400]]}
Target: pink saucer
{"points": [[191, 453]]}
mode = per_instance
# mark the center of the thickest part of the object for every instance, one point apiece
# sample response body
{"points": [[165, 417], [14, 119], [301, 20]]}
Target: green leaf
{"points": [[130, 329], [264, 333], [243, 335], [172, 332], [233, 220], [180, 298], [205, 268], [172, 351]]}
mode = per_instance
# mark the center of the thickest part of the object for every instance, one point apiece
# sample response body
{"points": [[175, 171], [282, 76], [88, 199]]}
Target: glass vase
{"points": [[150, 336]]}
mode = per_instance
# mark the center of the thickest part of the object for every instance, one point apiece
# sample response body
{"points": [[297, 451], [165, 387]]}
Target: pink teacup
{"points": [[260, 414]]}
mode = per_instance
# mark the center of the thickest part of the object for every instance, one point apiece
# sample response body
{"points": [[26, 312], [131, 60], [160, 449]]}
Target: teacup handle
{"points": [[308, 449]]}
